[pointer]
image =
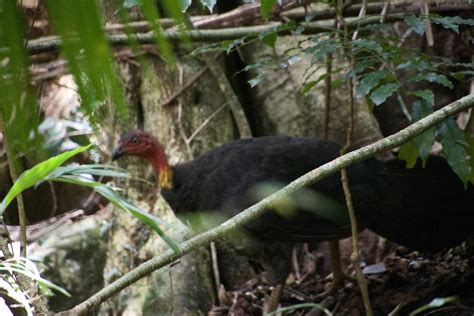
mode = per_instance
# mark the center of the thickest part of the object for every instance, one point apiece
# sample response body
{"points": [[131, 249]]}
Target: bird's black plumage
{"points": [[226, 180], [422, 208]]}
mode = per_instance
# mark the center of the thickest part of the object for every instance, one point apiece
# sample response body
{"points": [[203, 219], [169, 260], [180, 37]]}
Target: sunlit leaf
{"points": [[209, 4], [416, 23], [454, 146], [19, 109], [379, 95], [107, 192], [435, 303], [36, 174], [269, 39], [426, 95], [322, 48], [27, 268], [470, 151], [309, 85], [266, 8], [152, 16], [184, 4], [425, 140], [256, 80], [409, 153], [85, 46], [128, 4]]}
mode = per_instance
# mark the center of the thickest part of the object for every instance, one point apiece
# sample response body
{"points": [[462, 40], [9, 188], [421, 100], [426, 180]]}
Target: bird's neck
{"points": [[162, 169]]}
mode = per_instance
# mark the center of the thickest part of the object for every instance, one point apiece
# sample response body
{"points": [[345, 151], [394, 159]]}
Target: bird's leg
{"points": [[338, 275], [274, 300]]}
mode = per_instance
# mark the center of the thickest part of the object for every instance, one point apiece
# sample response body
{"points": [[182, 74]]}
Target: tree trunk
{"points": [[186, 287]]}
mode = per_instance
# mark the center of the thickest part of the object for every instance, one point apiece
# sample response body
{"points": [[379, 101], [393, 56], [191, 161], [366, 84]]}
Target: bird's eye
{"points": [[134, 140]]}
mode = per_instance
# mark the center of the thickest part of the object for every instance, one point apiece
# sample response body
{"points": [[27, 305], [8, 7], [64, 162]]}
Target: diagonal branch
{"points": [[261, 207]]}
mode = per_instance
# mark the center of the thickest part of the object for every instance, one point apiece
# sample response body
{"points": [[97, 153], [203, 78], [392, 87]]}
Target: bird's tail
{"points": [[425, 209]]}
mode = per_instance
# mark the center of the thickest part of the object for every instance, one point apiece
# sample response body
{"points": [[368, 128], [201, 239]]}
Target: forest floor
{"points": [[400, 282]]}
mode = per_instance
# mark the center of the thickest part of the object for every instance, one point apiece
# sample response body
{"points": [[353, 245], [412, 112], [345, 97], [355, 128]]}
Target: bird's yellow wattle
{"points": [[165, 178]]}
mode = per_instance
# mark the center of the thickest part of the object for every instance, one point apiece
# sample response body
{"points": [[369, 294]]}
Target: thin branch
{"points": [[264, 205], [375, 8], [24, 283], [231, 98], [53, 43], [345, 179], [350, 208], [19, 197], [425, 10], [205, 123]]}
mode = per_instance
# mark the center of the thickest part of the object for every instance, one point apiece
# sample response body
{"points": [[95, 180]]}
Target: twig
{"points": [[350, 208], [264, 205], [383, 13], [425, 10], [205, 123], [403, 106], [54, 198], [19, 197], [345, 179], [362, 13], [232, 100]]}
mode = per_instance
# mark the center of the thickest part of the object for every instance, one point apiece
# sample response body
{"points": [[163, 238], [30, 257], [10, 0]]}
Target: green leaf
{"points": [[360, 66], [369, 45], [37, 174], [409, 153], [256, 80], [95, 170], [209, 4], [383, 92], [269, 39], [90, 60], [454, 146], [425, 140], [416, 23], [184, 4], [308, 86], [322, 49], [266, 8], [128, 4], [426, 95], [369, 81], [435, 303], [452, 22], [470, 151], [434, 77], [107, 192]]}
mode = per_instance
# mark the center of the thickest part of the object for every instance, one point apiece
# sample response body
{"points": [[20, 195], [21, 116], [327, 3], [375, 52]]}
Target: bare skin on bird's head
{"points": [[141, 144]]}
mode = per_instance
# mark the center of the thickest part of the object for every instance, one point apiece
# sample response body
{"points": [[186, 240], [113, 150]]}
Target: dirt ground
{"points": [[400, 282]]}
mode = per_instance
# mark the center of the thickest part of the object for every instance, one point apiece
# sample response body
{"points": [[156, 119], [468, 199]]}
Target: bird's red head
{"points": [[140, 143]]}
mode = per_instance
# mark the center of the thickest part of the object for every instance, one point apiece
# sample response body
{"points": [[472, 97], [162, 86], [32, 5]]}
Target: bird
{"points": [[425, 208]]}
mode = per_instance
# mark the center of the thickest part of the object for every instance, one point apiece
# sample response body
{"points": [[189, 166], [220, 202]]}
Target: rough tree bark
{"points": [[185, 288]]}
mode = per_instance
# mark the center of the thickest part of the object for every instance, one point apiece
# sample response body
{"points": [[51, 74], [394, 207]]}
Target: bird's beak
{"points": [[117, 153]]}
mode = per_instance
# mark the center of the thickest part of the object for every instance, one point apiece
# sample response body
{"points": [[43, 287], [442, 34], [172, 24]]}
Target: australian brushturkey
{"points": [[422, 208]]}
